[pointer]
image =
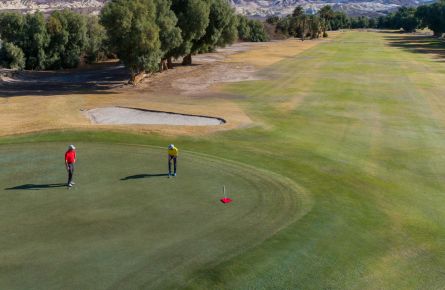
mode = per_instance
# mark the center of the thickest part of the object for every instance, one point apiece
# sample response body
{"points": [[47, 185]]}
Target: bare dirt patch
{"points": [[36, 101]]}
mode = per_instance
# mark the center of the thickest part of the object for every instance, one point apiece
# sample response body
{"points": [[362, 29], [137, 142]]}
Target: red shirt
{"points": [[70, 156]]}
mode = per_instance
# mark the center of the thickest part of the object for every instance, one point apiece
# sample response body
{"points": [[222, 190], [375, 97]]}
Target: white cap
{"points": [[171, 146], [71, 147]]}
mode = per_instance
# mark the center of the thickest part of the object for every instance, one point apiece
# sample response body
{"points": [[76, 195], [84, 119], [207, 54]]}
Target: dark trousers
{"points": [[170, 158], [70, 168]]}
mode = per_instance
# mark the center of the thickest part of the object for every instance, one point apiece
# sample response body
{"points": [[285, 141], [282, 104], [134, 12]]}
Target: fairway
{"points": [[338, 182], [124, 223]]}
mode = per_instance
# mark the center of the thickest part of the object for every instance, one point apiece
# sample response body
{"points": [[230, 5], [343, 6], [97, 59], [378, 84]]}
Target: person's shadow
{"points": [[36, 186], [140, 176]]}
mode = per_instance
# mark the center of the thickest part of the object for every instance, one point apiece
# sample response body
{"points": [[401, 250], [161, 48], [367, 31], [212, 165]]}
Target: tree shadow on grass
{"points": [[97, 79], [37, 186], [423, 44], [140, 176], [18, 89]]}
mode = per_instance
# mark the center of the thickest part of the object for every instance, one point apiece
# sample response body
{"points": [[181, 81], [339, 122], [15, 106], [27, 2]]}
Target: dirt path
{"points": [[239, 62]]}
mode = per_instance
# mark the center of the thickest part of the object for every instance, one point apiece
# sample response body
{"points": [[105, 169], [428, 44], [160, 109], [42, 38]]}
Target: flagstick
{"points": [[225, 199]]}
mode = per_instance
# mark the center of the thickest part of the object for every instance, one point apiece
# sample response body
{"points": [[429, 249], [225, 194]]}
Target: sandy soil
{"points": [[120, 116], [36, 101]]}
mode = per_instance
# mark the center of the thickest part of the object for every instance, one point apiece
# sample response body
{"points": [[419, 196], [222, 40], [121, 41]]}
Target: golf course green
{"points": [[339, 184], [125, 223]]}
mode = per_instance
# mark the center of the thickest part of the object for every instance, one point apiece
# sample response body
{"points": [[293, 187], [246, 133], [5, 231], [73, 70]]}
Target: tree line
{"points": [[144, 34], [431, 16], [303, 25], [34, 42], [309, 26], [147, 34]]}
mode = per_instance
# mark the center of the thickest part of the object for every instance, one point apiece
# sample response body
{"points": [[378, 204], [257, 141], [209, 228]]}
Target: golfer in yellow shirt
{"points": [[172, 156]]}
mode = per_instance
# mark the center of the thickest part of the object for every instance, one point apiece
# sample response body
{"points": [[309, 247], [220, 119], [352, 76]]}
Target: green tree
{"points": [[326, 12], [243, 28], [11, 56], [35, 41], [304, 20], [193, 19], [340, 20], [68, 39], [58, 36], [372, 23], [387, 22], [77, 38], [27, 33], [326, 15], [133, 34], [272, 19], [360, 22], [303, 26], [298, 11], [222, 27], [294, 26], [229, 34], [299, 24], [284, 25], [433, 17], [11, 28], [169, 33], [257, 32], [315, 26], [95, 48], [405, 18]]}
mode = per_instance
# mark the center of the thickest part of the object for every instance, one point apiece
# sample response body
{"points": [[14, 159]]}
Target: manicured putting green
{"points": [[125, 224]]}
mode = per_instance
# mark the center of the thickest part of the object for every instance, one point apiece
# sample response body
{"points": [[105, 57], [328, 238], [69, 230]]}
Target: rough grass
{"points": [[34, 108], [359, 123]]}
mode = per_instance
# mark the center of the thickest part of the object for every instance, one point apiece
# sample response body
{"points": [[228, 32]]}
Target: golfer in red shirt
{"points": [[70, 159]]}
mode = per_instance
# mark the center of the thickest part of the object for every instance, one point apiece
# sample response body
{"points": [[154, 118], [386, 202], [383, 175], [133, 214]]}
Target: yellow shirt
{"points": [[173, 152]]}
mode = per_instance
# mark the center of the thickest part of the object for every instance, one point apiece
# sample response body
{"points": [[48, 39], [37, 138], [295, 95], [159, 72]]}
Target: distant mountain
{"points": [[252, 8], [87, 6], [263, 8]]}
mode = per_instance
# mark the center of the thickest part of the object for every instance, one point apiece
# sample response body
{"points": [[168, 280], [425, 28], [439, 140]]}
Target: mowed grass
{"points": [[359, 123], [125, 224]]}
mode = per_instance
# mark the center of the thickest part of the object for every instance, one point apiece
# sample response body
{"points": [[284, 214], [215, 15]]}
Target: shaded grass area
{"points": [[419, 44], [97, 78], [359, 122]]}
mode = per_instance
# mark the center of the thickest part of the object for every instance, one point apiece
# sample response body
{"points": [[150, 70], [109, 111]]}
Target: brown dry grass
{"points": [[27, 114], [268, 53]]}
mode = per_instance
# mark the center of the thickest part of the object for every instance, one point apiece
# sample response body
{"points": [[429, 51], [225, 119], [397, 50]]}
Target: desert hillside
{"points": [[253, 8]]}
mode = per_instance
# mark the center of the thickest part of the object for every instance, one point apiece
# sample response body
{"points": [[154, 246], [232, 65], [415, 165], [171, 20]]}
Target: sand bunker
{"points": [[126, 116]]}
